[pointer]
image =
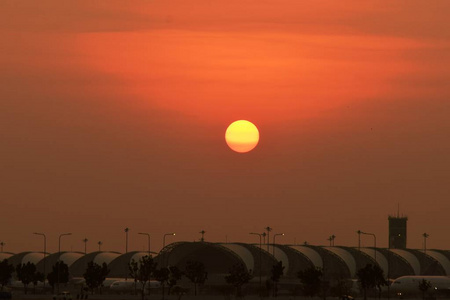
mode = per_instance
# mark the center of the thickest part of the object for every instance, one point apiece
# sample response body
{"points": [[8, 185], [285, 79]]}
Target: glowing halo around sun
{"points": [[242, 136]]}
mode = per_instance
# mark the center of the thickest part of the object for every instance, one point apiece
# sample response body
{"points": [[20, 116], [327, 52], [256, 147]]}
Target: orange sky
{"points": [[113, 116]]}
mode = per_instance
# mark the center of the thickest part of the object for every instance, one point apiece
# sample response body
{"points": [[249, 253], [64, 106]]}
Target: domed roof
{"points": [[78, 268], [119, 265]]}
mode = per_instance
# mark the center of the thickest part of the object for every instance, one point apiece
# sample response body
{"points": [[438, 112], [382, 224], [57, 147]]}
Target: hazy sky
{"points": [[113, 115]]}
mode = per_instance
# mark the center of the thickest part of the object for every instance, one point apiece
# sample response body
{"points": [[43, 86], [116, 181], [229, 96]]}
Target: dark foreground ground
{"points": [[188, 297]]}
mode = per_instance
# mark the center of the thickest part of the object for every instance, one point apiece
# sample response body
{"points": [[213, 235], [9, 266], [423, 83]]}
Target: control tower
{"points": [[397, 231]]}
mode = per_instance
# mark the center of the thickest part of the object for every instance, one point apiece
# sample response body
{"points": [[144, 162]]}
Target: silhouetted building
{"points": [[397, 232]]}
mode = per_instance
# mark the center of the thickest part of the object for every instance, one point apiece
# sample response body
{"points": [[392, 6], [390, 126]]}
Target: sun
{"points": [[242, 136]]}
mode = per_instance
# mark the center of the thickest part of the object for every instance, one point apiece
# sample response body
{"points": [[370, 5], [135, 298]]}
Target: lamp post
{"points": [[274, 236], [425, 236], [389, 271], [374, 242], [100, 243], [59, 257], [264, 237], [85, 240], [164, 238], [203, 235], [1, 245], [260, 261], [359, 240], [126, 239], [164, 245], [45, 252], [332, 239], [148, 237], [269, 229]]}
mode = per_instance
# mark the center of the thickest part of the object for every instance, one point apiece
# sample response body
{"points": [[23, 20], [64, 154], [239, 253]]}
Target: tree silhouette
{"points": [[6, 271], [162, 275], [52, 277], [311, 281], [26, 273], [238, 277], [38, 276], [174, 276], [133, 269], [341, 287], [95, 275], [424, 286], [142, 271], [371, 276], [276, 273], [196, 273]]}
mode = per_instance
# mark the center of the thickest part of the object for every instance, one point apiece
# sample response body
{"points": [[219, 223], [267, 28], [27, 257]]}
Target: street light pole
{"points": [[164, 245], [59, 257], [1, 245], [275, 235], [374, 241], [100, 243], [359, 239], [260, 261], [425, 236], [45, 252], [148, 237], [164, 238], [85, 240], [389, 271], [203, 235], [126, 239], [268, 237]]}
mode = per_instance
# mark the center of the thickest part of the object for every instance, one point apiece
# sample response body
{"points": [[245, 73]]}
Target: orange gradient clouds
{"points": [[263, 75], [267, 61]]}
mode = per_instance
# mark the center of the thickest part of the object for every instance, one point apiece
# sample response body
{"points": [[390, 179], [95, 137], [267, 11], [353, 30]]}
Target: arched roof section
{"points": [[441, 259], [428, 264], [296, 261], [5, 255], [446, 253], [50, 260], [70, 257], [267, 259], [243, 253], [380, 258], [119, 266], [78, 268], [105, 257], [334, 267], [33, 257], [410, 258], [398, 266], [311, 254], [279, 255], [346, 257], [17, 259], [215, 257], [137, 256]]}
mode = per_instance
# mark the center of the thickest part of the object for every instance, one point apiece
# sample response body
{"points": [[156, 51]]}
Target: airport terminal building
{"points": [[337, 262]]}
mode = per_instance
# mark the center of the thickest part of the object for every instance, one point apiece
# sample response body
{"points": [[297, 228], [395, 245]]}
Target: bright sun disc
{"points": [[242, 136]]}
